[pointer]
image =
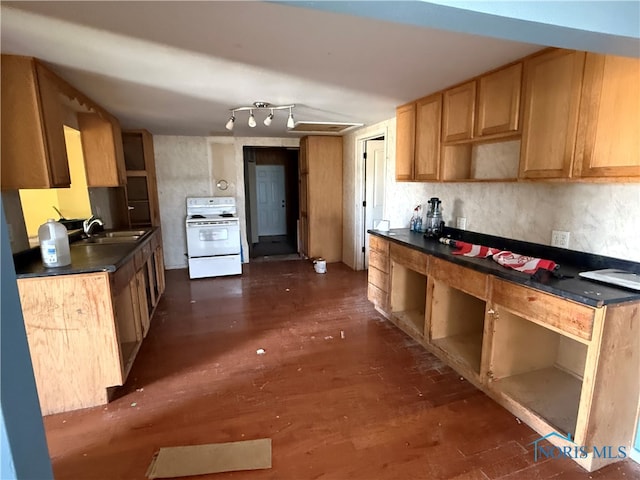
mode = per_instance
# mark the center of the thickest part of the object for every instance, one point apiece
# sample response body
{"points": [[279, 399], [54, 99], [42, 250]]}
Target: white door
{"points": [[272, 218], [374, 188]]}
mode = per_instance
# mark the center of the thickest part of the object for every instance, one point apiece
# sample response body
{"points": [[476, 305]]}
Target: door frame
{"points": [[360, 187], [292, 169]]}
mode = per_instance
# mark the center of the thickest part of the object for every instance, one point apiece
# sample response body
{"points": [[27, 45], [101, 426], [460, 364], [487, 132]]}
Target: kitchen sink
{"points": [[126, 233], [115, 237], [111, 240]]}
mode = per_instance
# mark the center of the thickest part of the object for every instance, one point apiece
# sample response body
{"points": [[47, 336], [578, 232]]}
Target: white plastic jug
{"points": [[320, 265], [54, 244]]}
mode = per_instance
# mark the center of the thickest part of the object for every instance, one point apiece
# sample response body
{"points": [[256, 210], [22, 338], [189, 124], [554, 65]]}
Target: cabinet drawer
{"points": [[379, 278], [378, 297], [540, 307], [460, 278], [412, 259], [379, 260], [376, 243]]}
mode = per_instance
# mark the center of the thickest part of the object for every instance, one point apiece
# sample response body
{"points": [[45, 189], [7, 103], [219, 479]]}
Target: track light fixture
{"points": [[230, 122], [252, 119], [260, 106], [290, 122], [267, 121]]}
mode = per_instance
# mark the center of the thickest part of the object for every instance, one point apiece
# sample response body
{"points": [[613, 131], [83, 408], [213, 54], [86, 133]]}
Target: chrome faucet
{"points": [[90, 222]]}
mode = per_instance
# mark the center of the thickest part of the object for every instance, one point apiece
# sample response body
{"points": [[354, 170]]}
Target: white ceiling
{"points": [[178, 67]]}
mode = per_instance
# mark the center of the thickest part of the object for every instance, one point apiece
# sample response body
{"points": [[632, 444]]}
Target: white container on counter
{"points": [[54, 244]]}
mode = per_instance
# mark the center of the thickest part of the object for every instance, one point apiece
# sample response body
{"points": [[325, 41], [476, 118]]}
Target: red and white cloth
{"points": [[515, 261], [472, 250]]}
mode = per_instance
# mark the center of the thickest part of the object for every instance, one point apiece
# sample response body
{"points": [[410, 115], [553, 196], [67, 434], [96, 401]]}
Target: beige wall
{"points": [[602, 218], [73, 202], [192, 166]]}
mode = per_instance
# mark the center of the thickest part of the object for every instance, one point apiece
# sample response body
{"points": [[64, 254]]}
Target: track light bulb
{"points": [[290, 122], [252, 119], [267, 121], [230, 122]]}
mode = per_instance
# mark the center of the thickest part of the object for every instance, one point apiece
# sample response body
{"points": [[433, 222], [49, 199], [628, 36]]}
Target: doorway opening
{"points": [[370, 177], [271, 190], [374, 183]]}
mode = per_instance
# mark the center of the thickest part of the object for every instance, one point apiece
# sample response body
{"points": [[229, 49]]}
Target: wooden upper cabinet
{"points": [[102, 150], [499, 102], [459, 112], [142, 188], [405, 141], [34, 153], [552, 85], [427, 137], [608, 143]]}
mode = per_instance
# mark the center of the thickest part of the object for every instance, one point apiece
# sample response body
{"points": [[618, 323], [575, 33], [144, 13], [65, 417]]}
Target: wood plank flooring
{"points": [[341, 392]]}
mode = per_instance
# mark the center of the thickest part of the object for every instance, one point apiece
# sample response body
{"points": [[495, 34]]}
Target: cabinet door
{"points": [[33, 149], [405, 141], [152, 279], [427, 150], [142, 190], [102, 150], [459, 110], [552, 83], [304, 162], [52, 119], [324, 198], [304, 235], [141, 290], [609, 125], [158, 257], [499, 102]]}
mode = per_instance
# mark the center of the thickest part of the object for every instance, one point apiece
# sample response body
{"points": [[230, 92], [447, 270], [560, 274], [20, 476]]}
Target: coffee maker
{"points": [[434, 225]]}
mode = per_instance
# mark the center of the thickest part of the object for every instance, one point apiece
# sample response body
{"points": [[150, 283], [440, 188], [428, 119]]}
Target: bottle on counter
{"points": [[54, 244], [415, 224]]}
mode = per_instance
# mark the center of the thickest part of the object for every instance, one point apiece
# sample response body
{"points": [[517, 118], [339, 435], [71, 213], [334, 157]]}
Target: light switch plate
{"points": [[461, 223]]}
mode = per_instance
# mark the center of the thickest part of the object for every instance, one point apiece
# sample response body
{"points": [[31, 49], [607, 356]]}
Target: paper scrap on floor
{"points": [[212, 458]]}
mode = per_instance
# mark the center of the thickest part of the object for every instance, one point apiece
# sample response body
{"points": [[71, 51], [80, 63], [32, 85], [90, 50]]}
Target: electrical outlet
{"points": [[560, 239], [461, 223]]}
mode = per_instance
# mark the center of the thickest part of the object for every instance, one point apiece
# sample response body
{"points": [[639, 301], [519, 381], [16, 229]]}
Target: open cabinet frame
{"points": [[562, 367]]}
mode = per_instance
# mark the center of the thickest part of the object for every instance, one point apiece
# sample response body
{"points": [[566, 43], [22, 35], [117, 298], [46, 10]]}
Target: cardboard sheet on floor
{"points": [[212, 458]]}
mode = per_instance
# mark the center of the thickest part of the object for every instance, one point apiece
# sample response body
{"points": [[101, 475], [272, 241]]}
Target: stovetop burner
{"points": [[226, 215], [197, 216]]}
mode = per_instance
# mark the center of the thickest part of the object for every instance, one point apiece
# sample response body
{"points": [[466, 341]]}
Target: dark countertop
{"points": [[85, 258], [571, 263]]}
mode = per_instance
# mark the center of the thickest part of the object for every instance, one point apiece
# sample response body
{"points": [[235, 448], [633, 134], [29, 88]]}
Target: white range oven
{"points": [[213, 237]]}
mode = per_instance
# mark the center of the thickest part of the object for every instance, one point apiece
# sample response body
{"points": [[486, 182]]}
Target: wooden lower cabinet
{"points": [[563, 368], [84, 330], [548, 373], [457, 315], [378, 287]]}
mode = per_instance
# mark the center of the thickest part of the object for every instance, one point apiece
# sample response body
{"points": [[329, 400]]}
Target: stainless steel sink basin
{"points": [[126, 233], [114, 237], [111, 240]]}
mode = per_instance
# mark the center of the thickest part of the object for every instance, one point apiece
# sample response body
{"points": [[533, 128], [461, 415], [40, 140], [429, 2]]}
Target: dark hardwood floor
{"points": [[371, 405]]}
